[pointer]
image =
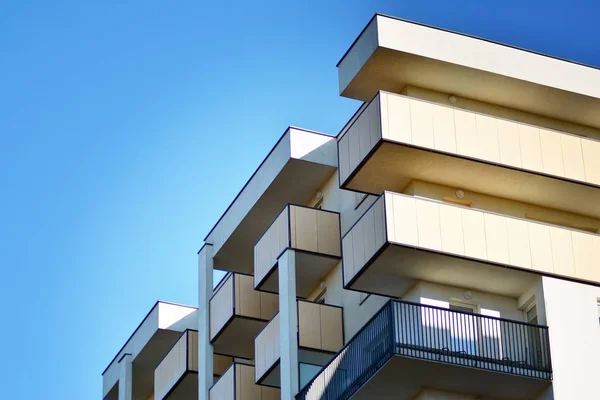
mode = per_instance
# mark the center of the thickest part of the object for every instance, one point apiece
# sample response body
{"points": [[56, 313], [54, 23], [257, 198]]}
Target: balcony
{"points": [[390, 54], [402, 239], [299, 164], [320, 335], [406, 347], [176, 377], [150, 342], [237, 314], [313, 233], [397, 139], [237, 383]]}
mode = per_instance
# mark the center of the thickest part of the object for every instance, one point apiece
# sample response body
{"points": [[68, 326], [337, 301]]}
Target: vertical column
{"points": [[205, 349], [125, 377], [288, 325]]}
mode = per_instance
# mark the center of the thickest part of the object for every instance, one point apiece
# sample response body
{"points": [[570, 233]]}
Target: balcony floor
{"points": [[237, 337], [398, 268], [186, 388], [403, 378]]}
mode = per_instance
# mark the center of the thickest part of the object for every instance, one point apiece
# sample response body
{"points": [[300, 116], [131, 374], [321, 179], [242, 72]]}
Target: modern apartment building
{"points": [[444, 245]]}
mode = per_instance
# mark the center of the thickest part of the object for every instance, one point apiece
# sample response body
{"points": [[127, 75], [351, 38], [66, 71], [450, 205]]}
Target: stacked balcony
{"points": [[313, 233], [237, 383], [320, 335], [237, 314], [408, 346]]}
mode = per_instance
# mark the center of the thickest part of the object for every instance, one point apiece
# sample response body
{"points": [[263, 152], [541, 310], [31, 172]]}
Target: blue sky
{"points": [[127, 127]]}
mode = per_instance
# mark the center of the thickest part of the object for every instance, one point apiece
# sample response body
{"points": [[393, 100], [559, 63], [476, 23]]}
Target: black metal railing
{"points": [[358, 360], [432, 333]]}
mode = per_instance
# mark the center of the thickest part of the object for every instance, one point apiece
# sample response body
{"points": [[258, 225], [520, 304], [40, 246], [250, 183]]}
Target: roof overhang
{"points": [[292, 172], [150, 342], [390, 54]]}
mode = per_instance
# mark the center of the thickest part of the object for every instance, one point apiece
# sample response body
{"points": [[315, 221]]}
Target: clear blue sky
{"points": [[127, 127]]}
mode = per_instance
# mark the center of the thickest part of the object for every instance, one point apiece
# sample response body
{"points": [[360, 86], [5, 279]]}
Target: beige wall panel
{"points": [[562, 251], [375, 123], [388, 206], [368, 233], [171, 368], [246, 389], [309, 325], [328, 228], [428, 222], [304, 229], [586, 254], [266, 347], [269, 304], [496, 238], [221, 307], [508, 141], [474, 233], [552, 158], [591, 159], [192, 350], [379, 218], [224, 388], [248, 301], [421, 116], [531, 149], [487, 138], [518, 242], [398, 119], [404, 219], [332, 338], [541, 247], [363, 125], [466, 133], [443, 129], [451, 229], [572, 157]]}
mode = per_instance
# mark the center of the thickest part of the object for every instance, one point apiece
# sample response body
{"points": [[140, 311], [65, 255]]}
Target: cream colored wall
{"points": [[503, 206], [506, 306], [192, 351], [574, 338], [221, 306], [499, 111], [266, 347], [469, 134], [433, 225]]}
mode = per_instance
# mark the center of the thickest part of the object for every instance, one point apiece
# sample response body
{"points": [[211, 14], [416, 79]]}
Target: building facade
{"points": [[444, 245]]}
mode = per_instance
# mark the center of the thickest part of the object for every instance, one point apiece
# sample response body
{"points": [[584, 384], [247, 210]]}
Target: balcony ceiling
{"points": [[391, 53], [404, 378], [392, 166]]}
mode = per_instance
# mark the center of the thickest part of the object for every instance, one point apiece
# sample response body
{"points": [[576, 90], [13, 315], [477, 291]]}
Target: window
{"points": [[322, 297], [319, 203], [462, 307]]}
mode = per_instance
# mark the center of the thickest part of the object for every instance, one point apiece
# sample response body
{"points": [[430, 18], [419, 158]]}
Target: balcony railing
{"points": [[181, 359], [436, 334]]}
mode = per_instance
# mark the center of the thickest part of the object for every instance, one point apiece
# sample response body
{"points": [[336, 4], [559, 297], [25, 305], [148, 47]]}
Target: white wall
{"points": [[572, 318]]}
